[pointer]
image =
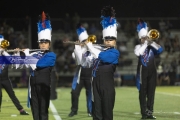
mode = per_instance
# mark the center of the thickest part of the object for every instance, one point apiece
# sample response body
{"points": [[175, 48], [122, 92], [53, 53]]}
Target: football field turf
{"points": [[166, 107]]}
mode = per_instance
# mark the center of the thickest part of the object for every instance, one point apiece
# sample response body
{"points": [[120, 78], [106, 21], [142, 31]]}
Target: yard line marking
{"points": [[54, 111], [161, 112], [168, 94], [14, 115], [176, 112]]}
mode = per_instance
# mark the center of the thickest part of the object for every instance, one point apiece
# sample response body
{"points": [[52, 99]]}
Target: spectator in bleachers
{"points": [[67, 23], [167, 45], [75, 20], [162, 26], [174, 64], [169, 25], [92, 29], [123, 49], [172, 76], [117, 78], [161, 41], [60, 62], [127, 28], [71, 63], [163, 77], [178, 67], [175, 44], [119, 26], [85, 25]]}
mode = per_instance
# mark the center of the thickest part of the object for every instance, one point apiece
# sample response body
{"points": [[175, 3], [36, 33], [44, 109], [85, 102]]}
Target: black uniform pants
{"points": [[53, 86], [104, 96], [85, 80], [40, 98], [147, 90], [7, 85], [0, 96]]}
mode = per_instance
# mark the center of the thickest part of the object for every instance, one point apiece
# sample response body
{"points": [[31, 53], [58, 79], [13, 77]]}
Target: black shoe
{"points": [[24, 113], [148, 117], [72, 113], [89, 114], [151, 117], [144, 117]]}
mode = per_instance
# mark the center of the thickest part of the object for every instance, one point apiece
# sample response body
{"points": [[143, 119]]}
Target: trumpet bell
{"points": [[153, 34], [4, 44], [92, 39]]}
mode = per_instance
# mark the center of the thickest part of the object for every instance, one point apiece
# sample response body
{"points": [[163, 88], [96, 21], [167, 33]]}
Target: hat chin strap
{"points": [[109, 38]]}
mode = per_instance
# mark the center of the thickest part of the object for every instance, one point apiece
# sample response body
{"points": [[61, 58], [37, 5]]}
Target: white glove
{"points": [[1, 50], [26, 51], [146, 42]]}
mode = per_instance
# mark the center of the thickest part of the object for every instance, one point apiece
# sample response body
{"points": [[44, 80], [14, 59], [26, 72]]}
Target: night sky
{"points": [[86, 9], [89, 8]]}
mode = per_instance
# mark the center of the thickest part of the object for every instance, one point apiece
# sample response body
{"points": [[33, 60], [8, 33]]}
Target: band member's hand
{"points": [[17, 50], [26, 51], [1, 49], [77, 41], [86, 42], [146, 42], [150, 42]]}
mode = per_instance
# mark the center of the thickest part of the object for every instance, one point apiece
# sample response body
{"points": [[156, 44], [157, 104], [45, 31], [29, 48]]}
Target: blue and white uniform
{"points": [[82, 77], [104, 66], [40, 72], [146, 74]]}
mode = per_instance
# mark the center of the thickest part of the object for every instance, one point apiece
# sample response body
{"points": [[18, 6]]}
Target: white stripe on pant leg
{"points": [[54, 111]]}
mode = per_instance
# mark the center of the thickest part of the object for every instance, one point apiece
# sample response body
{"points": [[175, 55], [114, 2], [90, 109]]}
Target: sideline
{"points": [[171, 94], [54, 111]]}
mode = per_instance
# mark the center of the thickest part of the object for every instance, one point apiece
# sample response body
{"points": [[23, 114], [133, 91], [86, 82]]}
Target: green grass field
{"points": [[167, 105]]}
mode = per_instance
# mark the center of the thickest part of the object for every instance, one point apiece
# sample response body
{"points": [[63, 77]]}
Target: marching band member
{"points": [[5, 82], [83, 73], [104, 66], [40, 78], [146, 70]]}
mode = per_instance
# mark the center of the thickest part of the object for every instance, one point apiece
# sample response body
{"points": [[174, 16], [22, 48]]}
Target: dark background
{"points": [[86, 9], [90, 8]]}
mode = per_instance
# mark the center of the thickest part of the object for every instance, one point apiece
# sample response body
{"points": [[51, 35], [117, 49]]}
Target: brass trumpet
{"points": [[153, 34]]}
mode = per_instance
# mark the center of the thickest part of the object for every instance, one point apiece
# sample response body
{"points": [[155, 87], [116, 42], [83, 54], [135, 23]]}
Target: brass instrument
{"points": [[91, 38], [23, 50], [5, 43], [153, 34]]}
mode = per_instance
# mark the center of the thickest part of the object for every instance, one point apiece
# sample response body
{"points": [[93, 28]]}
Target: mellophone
{"points": [[92, 39]]}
